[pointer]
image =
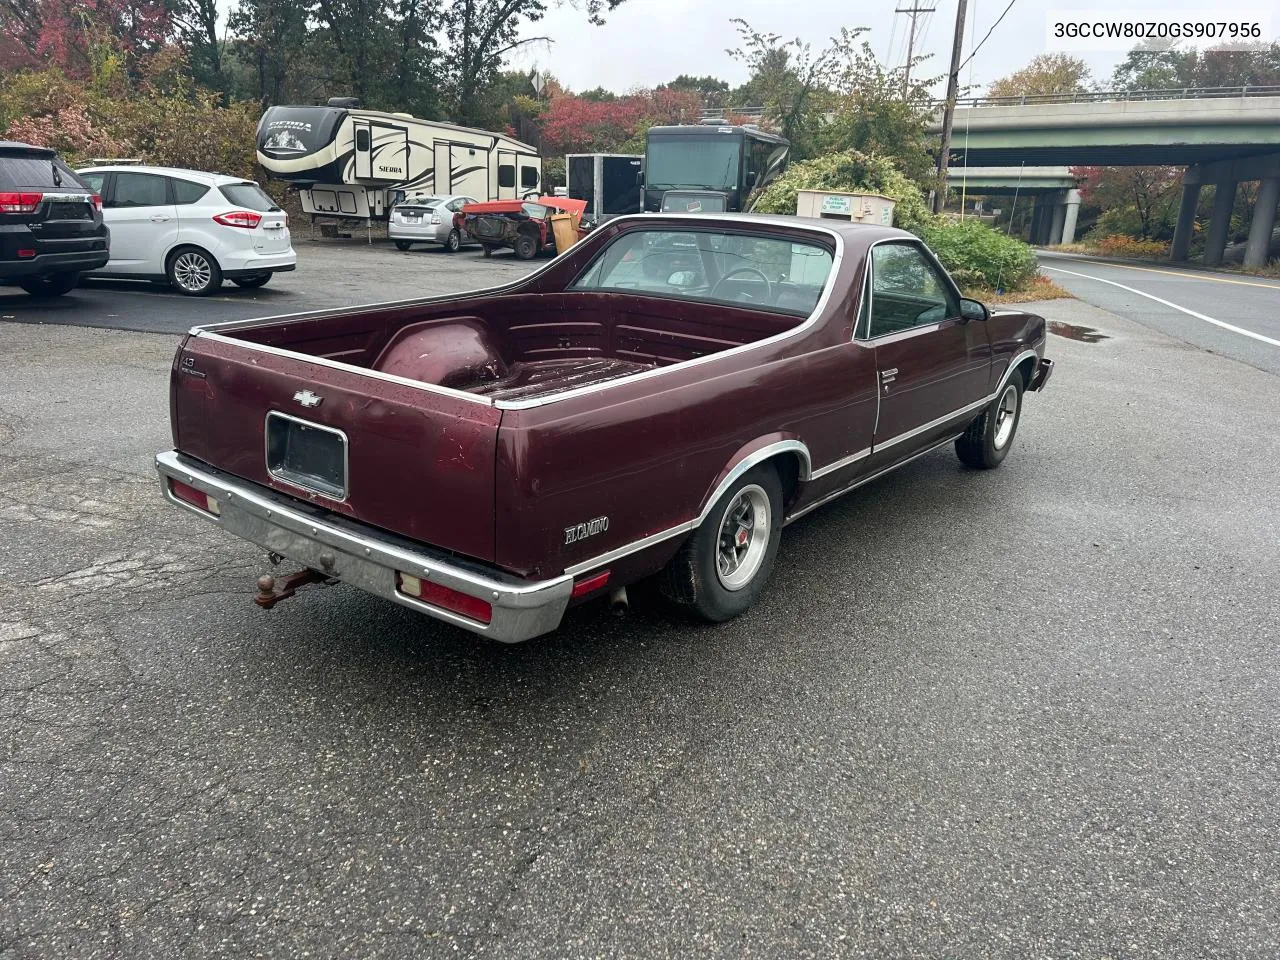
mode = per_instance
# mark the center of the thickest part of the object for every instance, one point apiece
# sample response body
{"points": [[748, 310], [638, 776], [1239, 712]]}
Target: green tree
{"points": [[1046, 75], [787, 77]]}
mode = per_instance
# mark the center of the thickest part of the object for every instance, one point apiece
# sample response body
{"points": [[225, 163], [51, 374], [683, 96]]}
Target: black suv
{"points": [[50, 222]]}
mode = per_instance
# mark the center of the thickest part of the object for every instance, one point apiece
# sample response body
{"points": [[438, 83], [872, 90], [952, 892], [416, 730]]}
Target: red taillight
{"points": [[445, 598], [20, 202], [239, 218], [97, 202], [197, 498], [591, 584], [26, 254]]}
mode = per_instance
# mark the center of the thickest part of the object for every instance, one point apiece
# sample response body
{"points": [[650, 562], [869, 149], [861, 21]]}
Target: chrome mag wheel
{"points": [[1006, 416], [744, 537]]}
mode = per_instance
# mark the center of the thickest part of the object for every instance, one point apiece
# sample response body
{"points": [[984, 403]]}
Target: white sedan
{"points": [[190, 228]]}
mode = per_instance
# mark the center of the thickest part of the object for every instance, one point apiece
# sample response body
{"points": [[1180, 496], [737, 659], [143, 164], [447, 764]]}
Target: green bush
{"points": [[977, 256], [848, 172]]}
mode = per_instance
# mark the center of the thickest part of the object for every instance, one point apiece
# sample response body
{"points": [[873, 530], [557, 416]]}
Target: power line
{"points": [[974, 52], [915, 12]]}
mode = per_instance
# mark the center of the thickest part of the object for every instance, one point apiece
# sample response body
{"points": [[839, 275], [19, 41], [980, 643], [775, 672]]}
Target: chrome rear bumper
{"points": [[364, 556]]}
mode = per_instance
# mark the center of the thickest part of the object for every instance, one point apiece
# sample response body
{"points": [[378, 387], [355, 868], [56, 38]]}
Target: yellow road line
{"points": [[1185, 274]]}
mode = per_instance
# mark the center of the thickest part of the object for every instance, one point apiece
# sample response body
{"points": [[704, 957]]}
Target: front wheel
{"points": [[453, 243], [987, 441], [725, 563], [403, 245], [194, 273], [52, 285]]}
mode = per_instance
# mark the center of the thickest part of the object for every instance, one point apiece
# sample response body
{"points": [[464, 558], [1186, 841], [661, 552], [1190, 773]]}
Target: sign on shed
{"points": [[857, 207]]}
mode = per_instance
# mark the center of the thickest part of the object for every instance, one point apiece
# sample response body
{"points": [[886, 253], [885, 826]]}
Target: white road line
{"points": [[1173, 306]]}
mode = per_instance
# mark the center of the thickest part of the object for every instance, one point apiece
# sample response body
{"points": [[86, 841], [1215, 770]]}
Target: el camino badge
{"points": [[308, 399], [584, 530]]}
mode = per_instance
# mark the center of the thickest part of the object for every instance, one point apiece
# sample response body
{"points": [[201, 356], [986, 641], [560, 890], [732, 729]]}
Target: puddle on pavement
{"points": [[1074, 331]]}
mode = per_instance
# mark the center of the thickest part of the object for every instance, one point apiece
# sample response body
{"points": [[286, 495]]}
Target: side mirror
{"points": [[973, 310]]}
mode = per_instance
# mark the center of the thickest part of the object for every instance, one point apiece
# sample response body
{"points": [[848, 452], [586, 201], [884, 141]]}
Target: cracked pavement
{"points": [[1026, 713]]}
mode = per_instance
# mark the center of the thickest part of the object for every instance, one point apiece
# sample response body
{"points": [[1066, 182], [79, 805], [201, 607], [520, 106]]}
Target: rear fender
{"points": [[750, 455]]}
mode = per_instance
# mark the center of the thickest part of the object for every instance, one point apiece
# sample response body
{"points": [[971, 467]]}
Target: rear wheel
{"points": [[403, 244], [194, 273], [723, 566], [453, 243], [987, 441], [52, 285], [250, 283], [526, 247], [488, 249]]}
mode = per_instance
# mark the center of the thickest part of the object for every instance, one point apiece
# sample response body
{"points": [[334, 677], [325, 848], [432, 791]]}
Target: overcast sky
{"points": [[647, 42]]}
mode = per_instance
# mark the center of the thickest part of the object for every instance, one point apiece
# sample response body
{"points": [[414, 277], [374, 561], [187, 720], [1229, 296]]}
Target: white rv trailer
{"points": [[350, 162]]}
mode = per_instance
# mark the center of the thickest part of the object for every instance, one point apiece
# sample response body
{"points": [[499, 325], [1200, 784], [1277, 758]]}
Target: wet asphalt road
{"points": [[331, 273], [1024, 713], [1199, 307]]}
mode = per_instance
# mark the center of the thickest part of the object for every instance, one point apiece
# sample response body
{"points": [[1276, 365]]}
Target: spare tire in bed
{"points": [[457, 353]]}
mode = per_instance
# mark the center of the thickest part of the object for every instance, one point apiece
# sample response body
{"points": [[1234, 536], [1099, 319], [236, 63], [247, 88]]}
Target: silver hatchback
{"points": [[427, 220]]}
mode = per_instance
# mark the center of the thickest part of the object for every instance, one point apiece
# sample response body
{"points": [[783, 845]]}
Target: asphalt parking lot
{"points": [[331, 273], [1024, 713]]}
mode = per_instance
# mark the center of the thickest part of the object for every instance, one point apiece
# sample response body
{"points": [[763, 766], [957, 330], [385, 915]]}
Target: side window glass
{"points": [[862, 326], [139, 190], [94, 180], [907, 290], [184, 191]]}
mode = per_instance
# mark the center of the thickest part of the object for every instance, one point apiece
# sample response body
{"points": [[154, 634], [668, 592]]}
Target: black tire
{"points": [[488, 249], [194, 272], [453, 243], [51, 285], [695, 577], [526, 246], [251, 283], [987, 442], [403, 244]]}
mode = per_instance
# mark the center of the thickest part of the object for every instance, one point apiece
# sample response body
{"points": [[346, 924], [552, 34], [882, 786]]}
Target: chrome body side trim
{"points": [[926, 427], [1013, 365], [629, 548], [839, 464], [365, 557], [867, 479]]}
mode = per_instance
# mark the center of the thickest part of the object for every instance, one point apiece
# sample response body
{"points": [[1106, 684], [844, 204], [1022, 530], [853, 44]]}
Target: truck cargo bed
{"points": [[539, 378]]}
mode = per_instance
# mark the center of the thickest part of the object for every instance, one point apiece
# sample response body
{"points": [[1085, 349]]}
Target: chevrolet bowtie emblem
{"points": [[308, 399]]}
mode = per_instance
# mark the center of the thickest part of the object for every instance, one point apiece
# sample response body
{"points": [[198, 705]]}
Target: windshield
{"points": [[286, 132], [709, 162], [751, 270]]}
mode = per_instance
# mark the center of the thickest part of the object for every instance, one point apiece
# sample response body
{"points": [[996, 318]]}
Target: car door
{"points": [[932, 365], [144, 223]]}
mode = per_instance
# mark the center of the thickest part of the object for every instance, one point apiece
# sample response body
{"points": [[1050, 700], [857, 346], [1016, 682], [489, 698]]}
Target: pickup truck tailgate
{"points": [[416, 462]]}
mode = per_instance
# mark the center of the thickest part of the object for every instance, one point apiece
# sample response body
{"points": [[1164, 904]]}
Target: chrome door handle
{"points": [[160, 219]]}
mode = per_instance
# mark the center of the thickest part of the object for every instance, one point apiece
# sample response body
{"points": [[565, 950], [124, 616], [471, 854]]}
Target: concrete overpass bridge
{"points": [[1052, 189], [1222, 135]]}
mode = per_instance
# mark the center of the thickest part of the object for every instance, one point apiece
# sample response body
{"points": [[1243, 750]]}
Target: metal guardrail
{"points": [[712, 114], [1107, 96]]}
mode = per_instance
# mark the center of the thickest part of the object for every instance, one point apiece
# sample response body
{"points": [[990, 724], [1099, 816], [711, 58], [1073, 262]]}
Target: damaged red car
{"points": [[523, 225]]}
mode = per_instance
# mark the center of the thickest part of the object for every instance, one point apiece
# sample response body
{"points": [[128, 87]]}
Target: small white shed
{"points": [[857, 207]]}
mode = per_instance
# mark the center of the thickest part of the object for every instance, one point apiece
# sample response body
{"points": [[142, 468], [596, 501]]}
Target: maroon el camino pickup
{"points": [[660, 399]]}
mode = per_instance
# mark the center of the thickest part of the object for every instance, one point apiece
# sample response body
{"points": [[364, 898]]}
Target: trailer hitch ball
{"points": [[270, 591]]}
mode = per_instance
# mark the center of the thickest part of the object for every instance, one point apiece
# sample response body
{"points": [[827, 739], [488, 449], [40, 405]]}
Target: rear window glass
{"points": [[770, 273], [26, 170], [186, 191], [248, 195]]}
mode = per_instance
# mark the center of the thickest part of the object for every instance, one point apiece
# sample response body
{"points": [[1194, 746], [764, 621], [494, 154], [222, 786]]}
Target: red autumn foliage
{"points": [[573, 124]]}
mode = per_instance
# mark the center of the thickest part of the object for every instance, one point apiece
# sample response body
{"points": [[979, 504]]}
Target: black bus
{"points": [[736, 161]]}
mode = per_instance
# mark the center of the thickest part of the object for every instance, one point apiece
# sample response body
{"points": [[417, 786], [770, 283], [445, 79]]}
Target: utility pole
{"points": [[915, 11], [949, 110]]}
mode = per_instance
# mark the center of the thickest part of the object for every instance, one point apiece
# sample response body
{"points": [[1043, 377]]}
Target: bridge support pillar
{"points": [[1057, 223], [1264, 221], [1224, 199], [1069, 220], [1186, 225]]}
